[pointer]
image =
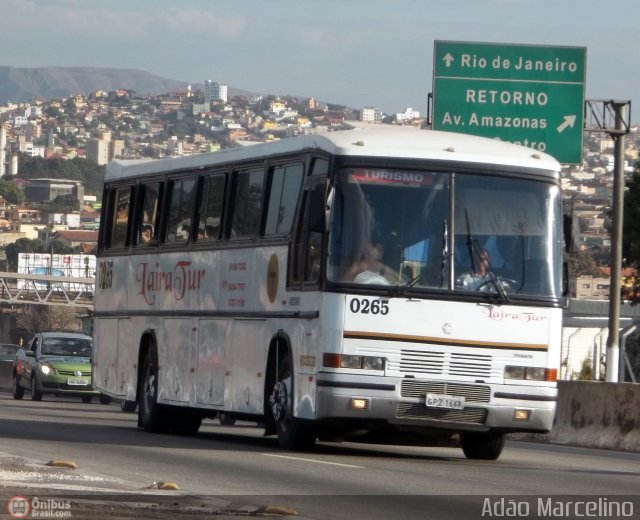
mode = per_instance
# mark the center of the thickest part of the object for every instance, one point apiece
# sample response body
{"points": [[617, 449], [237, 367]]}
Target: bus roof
{"points": [[366, 140]]}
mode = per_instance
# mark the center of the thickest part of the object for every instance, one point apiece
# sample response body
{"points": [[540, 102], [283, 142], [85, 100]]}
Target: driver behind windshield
{"points": [[473, 280]]}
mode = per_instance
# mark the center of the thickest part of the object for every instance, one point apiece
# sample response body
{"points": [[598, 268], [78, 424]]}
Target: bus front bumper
{"points": [[509, 408]]}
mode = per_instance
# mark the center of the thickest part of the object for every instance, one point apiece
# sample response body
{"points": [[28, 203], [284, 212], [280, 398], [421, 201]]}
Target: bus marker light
{"points": [[331, 360], [359, 404], [521, 414]]}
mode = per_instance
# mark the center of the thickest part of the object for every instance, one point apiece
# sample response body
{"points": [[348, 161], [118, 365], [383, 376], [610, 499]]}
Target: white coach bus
{"points": [[386, 282]]}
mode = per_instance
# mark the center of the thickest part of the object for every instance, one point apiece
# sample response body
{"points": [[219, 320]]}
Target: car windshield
{"points": [[67, 347], [8, 349]]}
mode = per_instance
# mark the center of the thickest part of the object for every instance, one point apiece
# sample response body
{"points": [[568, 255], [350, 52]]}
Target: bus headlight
{"points": [[511, 372], [531, 373], [347, 361], [353, 362], [372, 363]]}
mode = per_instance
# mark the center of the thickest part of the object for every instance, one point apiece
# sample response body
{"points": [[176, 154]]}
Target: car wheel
{"points": [[104, 399], [226, 419], [18, 391], [36, 395], [128, 406]]}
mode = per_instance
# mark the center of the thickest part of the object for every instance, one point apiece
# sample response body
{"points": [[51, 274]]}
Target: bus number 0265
{"points": [[365, 306]]}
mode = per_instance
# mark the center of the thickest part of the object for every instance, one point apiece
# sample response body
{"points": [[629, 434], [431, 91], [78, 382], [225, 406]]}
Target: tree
{"points": [[39, 317], [582, 263], [12, 193], [27, 245], [77, 169]]}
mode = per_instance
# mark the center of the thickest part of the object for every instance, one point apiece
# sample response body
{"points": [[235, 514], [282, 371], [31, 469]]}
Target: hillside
{"points": [[22, 84]]}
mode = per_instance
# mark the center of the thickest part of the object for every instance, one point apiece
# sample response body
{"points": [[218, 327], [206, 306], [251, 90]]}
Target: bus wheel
{"points": [[482, 446], [152, 416], [293, 434]]}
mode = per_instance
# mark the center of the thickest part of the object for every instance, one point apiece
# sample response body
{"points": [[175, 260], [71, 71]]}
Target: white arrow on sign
{"points": [[448, 59], [568, 121]]}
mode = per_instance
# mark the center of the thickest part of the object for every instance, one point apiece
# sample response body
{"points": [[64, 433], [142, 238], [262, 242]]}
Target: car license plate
{"points": [[77, 381], [452, 402]]}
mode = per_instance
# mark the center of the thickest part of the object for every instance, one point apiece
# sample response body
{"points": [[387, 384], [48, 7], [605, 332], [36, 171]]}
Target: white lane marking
{"points": [[313, 460]]}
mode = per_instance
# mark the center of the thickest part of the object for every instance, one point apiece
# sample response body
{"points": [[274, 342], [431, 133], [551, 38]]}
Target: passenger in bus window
{"points": [[146, 234], [370, 268], [208, 229], [122, 212]]}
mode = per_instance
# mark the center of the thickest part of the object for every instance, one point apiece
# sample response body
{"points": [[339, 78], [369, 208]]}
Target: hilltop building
{"points": [[214, 91]]}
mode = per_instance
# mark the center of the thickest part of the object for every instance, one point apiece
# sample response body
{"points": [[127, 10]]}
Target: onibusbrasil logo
{"points": [[23, 507], [19, 507]]}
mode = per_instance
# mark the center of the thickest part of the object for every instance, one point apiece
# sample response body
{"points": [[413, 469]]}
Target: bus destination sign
{"points": [[525, 94]]}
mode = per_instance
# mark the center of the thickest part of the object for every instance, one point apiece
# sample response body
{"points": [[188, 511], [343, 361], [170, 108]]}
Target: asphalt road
{"points": [[230, 471]]}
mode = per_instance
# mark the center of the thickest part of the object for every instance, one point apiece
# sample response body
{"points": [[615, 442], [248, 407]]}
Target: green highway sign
{"points": [[525, 94]]}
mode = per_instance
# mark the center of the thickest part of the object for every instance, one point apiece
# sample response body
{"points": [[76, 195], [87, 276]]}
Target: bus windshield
{"points": [[433, 230]]}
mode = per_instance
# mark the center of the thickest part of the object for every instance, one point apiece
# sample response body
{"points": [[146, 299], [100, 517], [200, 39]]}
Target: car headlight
{"points": [[47, 369]]}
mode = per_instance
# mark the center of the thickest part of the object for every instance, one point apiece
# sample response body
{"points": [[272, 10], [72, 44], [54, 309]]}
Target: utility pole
{"points": [[613, 117]]}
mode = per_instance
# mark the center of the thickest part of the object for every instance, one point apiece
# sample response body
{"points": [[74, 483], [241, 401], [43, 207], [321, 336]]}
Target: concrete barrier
{"points": [[598, 415], [6, 375]]}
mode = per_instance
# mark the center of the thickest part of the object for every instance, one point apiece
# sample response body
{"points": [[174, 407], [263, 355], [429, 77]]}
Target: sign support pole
{"points": [[613, 340]]}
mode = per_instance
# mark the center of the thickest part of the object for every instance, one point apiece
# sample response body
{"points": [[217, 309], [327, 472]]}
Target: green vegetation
{"points": [[11, 192], [77, 169]]}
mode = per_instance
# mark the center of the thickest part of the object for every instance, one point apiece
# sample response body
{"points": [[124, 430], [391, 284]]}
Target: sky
{"points": [[349, 52]]}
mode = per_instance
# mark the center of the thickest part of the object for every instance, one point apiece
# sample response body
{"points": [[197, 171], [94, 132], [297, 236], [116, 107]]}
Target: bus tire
{"points": [[153, 417], [293, 434], [482, 446], [17, 390]]}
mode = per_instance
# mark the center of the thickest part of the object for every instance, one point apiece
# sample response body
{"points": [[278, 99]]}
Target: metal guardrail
{"points": [[17, 288]]}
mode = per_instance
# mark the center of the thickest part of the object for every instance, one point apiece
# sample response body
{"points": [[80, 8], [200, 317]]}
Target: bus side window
{"points": [[210, 210], [121, 209], [147, 224], [247, 204], [283, 198], [306, 261], [181, 208]]}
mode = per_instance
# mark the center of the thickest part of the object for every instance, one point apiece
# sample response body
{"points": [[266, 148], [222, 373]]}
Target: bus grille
{"points": [[445, 364], [471, 393], [420, 411]]}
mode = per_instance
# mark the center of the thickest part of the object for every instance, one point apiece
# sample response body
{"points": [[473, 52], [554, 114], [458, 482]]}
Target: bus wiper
{"points": [[476, 252]]}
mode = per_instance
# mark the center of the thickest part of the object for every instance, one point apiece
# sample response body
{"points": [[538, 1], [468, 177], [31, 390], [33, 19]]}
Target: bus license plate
{"points": [[77, 382], [452, 402]]}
